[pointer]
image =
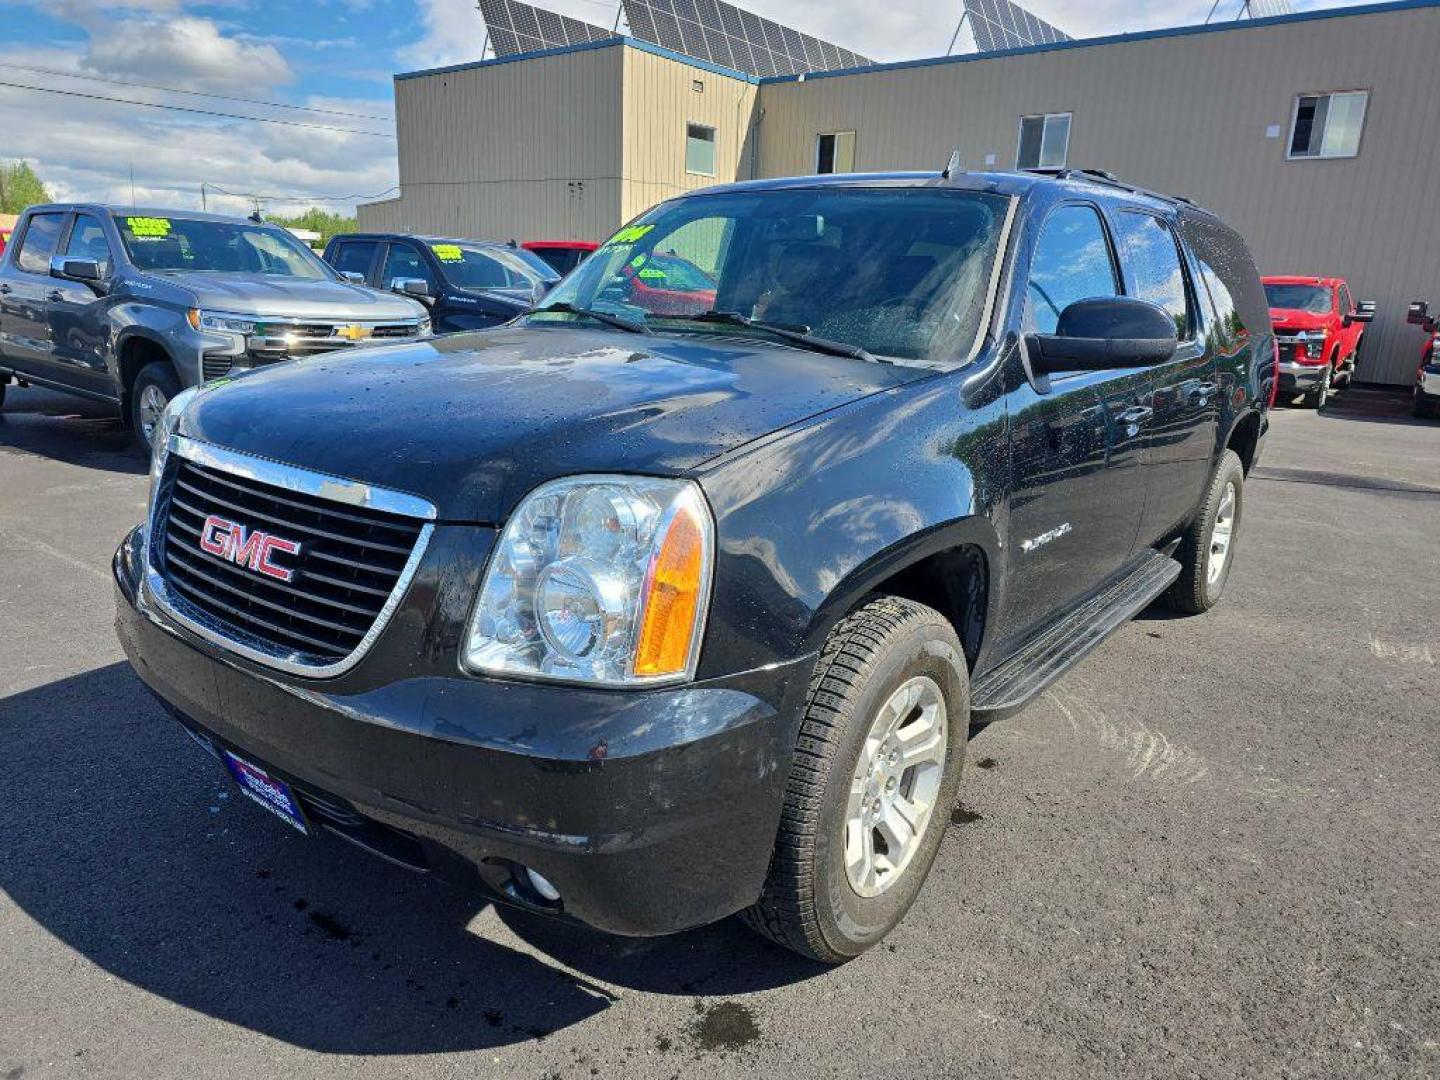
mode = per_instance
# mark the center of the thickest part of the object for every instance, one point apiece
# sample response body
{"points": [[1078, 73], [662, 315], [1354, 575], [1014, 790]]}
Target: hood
{"points": [[1295, 321], [472, 422], [264, 294]]}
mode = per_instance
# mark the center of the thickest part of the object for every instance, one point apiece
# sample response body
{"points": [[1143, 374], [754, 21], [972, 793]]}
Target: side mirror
{"points": [[1419, 313], [354, 277], [418, 288], [1364, 312], [537, 293], [1109, 332], [86, 270]]}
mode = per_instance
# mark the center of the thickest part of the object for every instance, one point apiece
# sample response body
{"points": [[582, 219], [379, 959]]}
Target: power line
{"points": [[301, 197], [199, 93], [197, 112]]}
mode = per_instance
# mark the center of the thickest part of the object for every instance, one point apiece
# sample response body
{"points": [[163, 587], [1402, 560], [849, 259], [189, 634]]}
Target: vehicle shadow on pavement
{"points": [[68, 429], [123, 839], [1374, 405]]}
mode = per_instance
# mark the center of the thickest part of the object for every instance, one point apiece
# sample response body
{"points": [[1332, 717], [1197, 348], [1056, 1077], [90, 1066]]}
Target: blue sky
{"points": [[335, 55]]}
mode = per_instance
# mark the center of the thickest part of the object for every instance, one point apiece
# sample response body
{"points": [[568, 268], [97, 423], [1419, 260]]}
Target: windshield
{"points": [[1312, 298], [899, 272], [482, 266], [220, 247]]}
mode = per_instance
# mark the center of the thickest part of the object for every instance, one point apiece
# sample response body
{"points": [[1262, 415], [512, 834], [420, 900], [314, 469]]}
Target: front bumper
{"points": [[1296, 378], [1428, 382], [650, 811]]}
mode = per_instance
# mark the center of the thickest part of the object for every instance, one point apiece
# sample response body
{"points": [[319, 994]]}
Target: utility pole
{"points": [[204, 204], [132, 185]]}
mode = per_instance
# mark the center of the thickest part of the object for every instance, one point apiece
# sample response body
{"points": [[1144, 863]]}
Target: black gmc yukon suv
{"points": [[643, 618]]}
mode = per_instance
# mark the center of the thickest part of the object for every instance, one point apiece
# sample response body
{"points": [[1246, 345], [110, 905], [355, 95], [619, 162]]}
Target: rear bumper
{"points": [[650, 812]]}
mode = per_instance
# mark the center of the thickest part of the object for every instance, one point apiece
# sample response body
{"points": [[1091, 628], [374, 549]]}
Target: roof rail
{"points": [[1109, 179]]}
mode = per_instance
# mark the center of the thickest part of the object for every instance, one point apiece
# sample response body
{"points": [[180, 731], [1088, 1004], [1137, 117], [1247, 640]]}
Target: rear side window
{"points": [[1151, 261], [355, 256], [1224, 259], [41, 236], [1071, 262], [404, 262]]}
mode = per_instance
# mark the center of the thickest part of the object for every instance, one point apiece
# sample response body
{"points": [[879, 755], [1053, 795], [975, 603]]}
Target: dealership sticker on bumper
{"points": [[274, 795]]}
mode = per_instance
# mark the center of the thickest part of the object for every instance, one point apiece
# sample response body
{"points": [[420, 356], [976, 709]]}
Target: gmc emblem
{"points": [[232, 542]]}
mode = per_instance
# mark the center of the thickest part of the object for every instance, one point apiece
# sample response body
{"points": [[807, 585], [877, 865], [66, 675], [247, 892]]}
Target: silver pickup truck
{"points": [[132, 306]]}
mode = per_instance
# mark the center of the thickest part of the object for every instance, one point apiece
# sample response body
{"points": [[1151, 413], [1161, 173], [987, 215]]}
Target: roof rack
{"points": [[1109, 179]]}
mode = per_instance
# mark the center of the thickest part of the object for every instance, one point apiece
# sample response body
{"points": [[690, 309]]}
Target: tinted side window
{"points": [[355, 256], [403, 261], [41, 236], [1346, 304], [87, 241], [1071, 262], [1152, 266], [1220, 249]]}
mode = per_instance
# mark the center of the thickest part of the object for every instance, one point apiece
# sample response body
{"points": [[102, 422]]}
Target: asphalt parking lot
{"points": [[1211, 851]]}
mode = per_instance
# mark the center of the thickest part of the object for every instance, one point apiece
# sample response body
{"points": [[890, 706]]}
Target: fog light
{"points": [[541, 884]]}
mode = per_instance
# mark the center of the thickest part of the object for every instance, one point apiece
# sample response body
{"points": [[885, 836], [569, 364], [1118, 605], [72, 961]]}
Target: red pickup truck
{"points": [[1318, 327]]}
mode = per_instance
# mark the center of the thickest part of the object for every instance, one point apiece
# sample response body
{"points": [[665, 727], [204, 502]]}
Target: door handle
{"points": [[1133, 417], [1203, 392], [5, 290], [55, 296], [1136, 414]]}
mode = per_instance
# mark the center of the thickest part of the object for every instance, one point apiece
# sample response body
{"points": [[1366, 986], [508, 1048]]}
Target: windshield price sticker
{"points": [[448, 253], [628, 235], [148, 227]]}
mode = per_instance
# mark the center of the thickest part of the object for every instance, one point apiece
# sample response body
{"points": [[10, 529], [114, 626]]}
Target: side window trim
{"points": [[1117, 278], [1192, 296]]}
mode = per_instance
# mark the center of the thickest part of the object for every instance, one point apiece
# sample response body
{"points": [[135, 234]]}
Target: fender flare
{"points": [[973, 532]]}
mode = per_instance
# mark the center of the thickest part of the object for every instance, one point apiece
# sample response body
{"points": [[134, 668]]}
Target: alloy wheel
{"points": [[1222, 535], [893, 791], [152, 407]]}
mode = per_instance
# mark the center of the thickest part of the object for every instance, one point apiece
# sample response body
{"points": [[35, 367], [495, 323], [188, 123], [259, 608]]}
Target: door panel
{"points": [[25, 289], [1180, 440], [1077, 446], [79, 327]]}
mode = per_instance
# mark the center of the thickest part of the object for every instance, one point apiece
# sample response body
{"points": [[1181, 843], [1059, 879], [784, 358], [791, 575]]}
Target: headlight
{"points": [[222, 321], [597, 579], [164, 428], [1314, 342], [425, 327]]}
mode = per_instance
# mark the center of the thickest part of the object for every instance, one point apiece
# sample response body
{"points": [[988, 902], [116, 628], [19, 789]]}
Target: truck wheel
{"points": [[152, 390], [1207, 550], [1317, 398], [1423, 407], [875, 773]]}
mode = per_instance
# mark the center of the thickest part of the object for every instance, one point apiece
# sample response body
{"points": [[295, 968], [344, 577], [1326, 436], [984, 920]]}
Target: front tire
{"points": [[1317, 398], [875, 774], [156, 384], [1207, 551], [1423, 407]]}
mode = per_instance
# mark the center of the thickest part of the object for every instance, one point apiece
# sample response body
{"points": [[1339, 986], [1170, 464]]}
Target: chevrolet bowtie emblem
{"points": [[354, 333]]}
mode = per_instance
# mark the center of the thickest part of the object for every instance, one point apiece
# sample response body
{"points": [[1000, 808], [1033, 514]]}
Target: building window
{"points": [[1044, 141], [700, 149], [1328, 125], [835, 152]]}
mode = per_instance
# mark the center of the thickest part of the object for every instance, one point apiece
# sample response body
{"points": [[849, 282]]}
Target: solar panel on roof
{"points": [[1001, 24], [520, 28], [733, 37]]}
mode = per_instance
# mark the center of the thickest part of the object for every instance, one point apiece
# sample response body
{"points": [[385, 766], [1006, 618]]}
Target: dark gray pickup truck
{"points": [[132, 306]]}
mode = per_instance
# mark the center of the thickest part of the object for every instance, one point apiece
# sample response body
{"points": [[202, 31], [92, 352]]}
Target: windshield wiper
{"points": [[562, 308], [799, 334]]}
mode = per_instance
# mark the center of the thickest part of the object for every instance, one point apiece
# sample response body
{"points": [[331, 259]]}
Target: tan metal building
{"points": [[1314, 135]]}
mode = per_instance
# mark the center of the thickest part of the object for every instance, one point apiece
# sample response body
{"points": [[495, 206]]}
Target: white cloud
{"points": [[191, 52]]}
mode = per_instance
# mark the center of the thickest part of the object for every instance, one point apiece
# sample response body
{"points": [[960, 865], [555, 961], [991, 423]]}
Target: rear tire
{"points": [[152, 390], [1207, 551], [890, 687]]}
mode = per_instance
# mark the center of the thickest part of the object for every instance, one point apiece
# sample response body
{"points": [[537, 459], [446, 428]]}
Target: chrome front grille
{"points": [[311, 603], [306, 338]]}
